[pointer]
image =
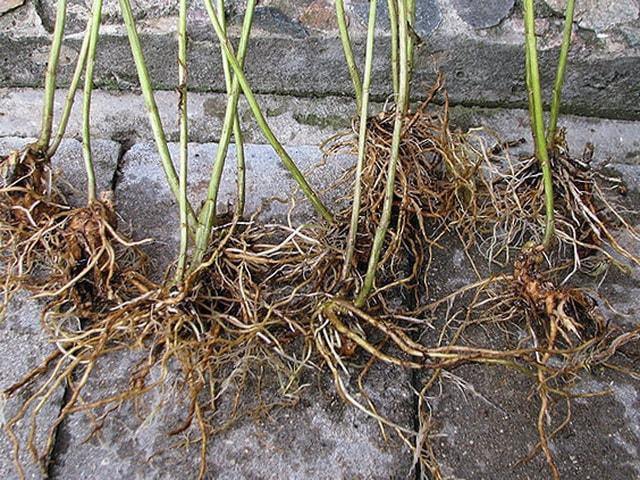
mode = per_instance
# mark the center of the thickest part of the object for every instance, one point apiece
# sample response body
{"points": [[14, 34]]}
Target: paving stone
{"points": [[23, 346], [483, 14], [68, 165], [483, 418], [142, 195], [319, 437], [295, 121], [614, 141], [487, 428]]}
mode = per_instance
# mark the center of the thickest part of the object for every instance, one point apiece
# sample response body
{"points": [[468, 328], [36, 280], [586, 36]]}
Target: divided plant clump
{"points": [[283, 299]]}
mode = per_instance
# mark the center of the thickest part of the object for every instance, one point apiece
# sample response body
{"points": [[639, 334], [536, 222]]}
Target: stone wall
{"points": [[295, 49]]}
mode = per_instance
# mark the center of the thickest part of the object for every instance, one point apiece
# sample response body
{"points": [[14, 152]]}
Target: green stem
{"points": [[393, 22], [241, 169], [184, 139], [348, 51], [152, 107], [411, 18], [71, 93], [264, 126], [96, 17], [362, 140], [560, 74], [385, 218], [237, 131], [535, 93], [50, 79], [208, 213]]}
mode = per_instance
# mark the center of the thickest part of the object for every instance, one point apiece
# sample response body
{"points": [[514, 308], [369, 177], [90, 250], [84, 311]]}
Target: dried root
{"points": [[587, 212], [437, 187], [553, 332]]}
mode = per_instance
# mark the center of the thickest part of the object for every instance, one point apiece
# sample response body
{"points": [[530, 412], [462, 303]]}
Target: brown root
{"points": [[588, 211], [436, 188]]}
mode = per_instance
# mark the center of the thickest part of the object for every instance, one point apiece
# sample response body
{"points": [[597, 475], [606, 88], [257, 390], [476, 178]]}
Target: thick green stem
{"points": [[264, 126], [362, 140], [237, 130], [385, 218], [96, 18], [184, 140], [348, 51], [560, 74], [152, 107], [410, 5], [208, 213], [50, 79], [71, 93], [535, 95], [393, 24]]}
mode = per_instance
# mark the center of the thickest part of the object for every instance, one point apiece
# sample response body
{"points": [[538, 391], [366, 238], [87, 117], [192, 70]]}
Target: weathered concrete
{"points": [[478, 45], [69, 168], [295, 121], [122, 116], [488, 428], [320, 437], [23, 346], [143, 198]]}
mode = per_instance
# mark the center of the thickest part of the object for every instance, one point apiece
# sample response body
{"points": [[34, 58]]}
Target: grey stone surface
{"points": [[485, 433], [485, 14], [142, 195], [68, 166], [615, 141], [23, 346], [122, 116], [485, 67], [295, 121], [600, 15], [428, 16], [319, 437], [483, 418]]}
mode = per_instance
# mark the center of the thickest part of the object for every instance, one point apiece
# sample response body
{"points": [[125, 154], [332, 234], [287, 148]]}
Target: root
{"points": [[587, 210], [270, 303], [436, 189]]}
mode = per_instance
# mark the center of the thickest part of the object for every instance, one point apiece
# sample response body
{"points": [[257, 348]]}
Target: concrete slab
{"points": [[143, 198], [318, 437], [68, 165], [477, 435], [486, 433], [121, 116], [23, 346]]}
